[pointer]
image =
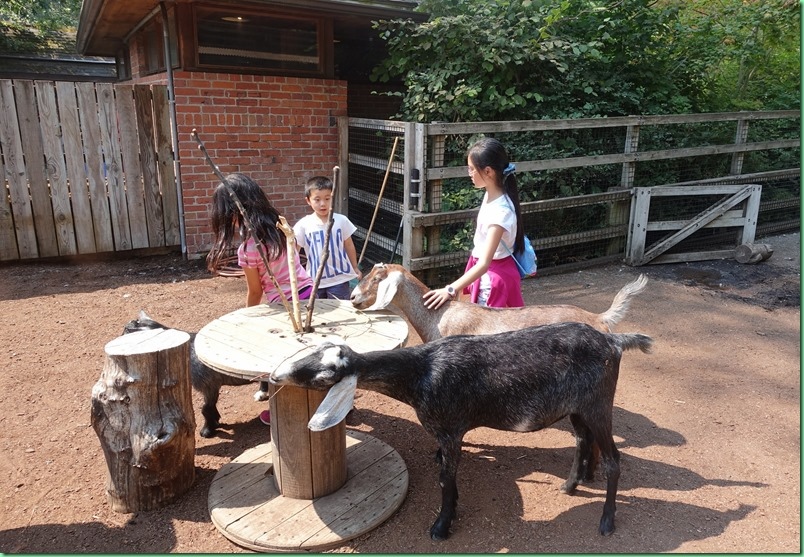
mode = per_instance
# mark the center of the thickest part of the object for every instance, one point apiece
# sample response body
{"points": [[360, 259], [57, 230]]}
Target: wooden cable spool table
{"points": [[303, 491]]}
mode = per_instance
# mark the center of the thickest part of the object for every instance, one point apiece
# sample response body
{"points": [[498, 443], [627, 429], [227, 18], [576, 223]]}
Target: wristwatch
{"points": [[450, 291]]}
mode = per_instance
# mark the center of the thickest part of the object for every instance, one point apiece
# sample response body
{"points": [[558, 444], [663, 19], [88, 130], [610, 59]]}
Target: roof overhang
{"points": [[104, 24]]}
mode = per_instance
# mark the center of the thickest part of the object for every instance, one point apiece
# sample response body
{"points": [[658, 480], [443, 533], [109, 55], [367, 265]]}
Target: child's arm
{"points": [[351, 252], [255, 292]]}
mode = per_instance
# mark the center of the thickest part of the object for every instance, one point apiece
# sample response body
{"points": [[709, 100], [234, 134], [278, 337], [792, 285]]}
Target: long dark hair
{"points": [[490, 153], [229, 226]]}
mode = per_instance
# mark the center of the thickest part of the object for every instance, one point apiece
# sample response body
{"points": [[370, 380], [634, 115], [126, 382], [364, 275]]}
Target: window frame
{"points": [[324, 41]]}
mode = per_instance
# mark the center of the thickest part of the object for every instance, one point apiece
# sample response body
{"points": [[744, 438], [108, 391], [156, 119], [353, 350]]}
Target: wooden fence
{"points": [[86, 168], [412, 199]]}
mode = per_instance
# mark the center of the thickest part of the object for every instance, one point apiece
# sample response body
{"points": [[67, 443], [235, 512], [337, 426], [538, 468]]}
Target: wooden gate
{"points": [[86, 168], [737, 208]]}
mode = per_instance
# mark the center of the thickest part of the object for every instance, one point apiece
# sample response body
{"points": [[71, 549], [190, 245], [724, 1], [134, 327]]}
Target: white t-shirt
{"points": [[310, 233], [499, 212]]}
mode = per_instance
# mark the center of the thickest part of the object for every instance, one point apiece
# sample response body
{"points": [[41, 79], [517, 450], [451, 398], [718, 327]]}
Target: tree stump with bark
{"points": [[143, 415]]}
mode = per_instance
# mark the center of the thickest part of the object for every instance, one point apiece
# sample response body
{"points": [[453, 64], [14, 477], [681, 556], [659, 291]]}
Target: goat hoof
{"points": [[439, 534], [261, 396], [206, 432], [606, 526], [568, 487]]}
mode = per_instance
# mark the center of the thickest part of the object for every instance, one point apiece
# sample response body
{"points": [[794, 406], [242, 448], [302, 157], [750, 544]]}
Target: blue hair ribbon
{"points": [[510, 169]]}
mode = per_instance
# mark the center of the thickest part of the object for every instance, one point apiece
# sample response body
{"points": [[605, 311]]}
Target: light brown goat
{"points": [[393, 285]]}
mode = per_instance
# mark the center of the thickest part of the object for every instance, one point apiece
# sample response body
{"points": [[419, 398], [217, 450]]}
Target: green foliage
{"points": [[476, 60], [31, 26], [519, 59], [747, 54]]}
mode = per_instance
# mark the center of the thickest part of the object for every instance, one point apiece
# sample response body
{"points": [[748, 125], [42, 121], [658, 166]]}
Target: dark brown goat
{"points": [[520, 380]]}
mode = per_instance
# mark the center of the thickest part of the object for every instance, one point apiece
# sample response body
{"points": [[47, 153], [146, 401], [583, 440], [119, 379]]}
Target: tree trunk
{"points": [[752, 253], [142, 412]]}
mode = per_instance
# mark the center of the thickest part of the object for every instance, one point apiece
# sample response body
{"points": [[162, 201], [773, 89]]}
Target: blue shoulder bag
{"points": [[526, 261]]}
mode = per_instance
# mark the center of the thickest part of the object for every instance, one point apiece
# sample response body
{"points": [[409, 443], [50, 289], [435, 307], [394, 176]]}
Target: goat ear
{"points": [[386, 291], [336, 404], [144, 315]]}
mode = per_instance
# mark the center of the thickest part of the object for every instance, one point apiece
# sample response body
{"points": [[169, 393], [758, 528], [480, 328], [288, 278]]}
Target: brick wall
{"points": [[278, 130]]}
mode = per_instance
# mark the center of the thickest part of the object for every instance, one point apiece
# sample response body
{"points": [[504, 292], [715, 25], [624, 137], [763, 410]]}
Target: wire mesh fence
{"points": [[376, 190]]}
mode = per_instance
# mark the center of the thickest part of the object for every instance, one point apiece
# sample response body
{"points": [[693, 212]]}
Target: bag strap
{"points": [[521, 268]]}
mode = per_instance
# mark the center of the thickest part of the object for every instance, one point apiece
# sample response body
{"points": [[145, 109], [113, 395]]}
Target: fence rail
{"points": [[86, 168]]}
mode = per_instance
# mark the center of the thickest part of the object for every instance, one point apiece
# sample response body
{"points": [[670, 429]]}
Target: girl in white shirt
{"points": [[491, 277]]}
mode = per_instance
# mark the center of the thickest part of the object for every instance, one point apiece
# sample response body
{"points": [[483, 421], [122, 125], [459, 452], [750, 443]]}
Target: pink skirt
{"points": [[506, 284]]}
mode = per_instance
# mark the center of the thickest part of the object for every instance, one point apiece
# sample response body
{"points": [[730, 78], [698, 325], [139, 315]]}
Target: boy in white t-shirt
{"points": [[310, 232]]}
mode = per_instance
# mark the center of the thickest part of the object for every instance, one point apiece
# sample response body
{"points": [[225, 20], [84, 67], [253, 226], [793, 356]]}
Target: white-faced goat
{"points": [[393, 285], [520, 380]]}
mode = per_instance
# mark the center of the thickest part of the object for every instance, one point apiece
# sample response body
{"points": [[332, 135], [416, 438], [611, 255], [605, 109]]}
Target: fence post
{"points": [[341, 201], [619, 212], [740, 138], [415, 147], [434, 194]]}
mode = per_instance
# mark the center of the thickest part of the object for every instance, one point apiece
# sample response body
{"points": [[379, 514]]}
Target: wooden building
{"points": [[262, 82]]}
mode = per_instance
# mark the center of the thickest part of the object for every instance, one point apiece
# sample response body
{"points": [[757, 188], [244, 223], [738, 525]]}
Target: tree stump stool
{"points": [[752, 253], [142, 412]]}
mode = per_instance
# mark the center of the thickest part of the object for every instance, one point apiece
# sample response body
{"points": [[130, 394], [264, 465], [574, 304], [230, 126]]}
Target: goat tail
{"points": [[630, 341], [622, 301]]}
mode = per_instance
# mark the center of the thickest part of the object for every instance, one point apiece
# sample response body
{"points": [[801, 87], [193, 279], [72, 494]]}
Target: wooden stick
{"points": [[249, 227], [290, 241], [324, 253], [379, 198]]}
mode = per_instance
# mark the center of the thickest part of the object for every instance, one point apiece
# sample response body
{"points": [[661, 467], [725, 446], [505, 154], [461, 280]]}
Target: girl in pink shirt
{"points": [[228, 225]]}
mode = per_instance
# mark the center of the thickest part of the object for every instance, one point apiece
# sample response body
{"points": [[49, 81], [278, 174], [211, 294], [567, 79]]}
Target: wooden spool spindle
{"points": [[307, 464]]}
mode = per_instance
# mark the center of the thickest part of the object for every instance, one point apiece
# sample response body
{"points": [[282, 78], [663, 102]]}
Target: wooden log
{"points": [[752, 253], [143, 415]]}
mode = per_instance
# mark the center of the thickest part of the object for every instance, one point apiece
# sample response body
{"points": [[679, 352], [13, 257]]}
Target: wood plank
{"points": [[751, 215], [730, 219], [74, 165], [637, 233], [31, 135], [8, 240], [693, 256], [166, 168], [21, 212], [95, 170], [458, 128], [132, 167], [56, 168], [291, 440], [325, 520], [443, 172], [378, 506], [696, 189], [150, 175], [327, 452], [233, 484], [113, 164]]}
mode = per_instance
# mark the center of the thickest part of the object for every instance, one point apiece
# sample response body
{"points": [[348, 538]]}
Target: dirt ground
{"points": [[708, 425]]}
